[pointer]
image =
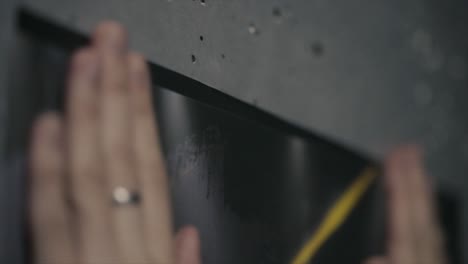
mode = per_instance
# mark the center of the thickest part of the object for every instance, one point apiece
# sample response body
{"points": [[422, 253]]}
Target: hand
{"points": [[107, 139], [414, 233]]}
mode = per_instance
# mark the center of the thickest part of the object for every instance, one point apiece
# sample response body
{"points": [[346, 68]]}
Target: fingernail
{"points": [[53, 137], [111, 36], [114, 43], [398, 164]]}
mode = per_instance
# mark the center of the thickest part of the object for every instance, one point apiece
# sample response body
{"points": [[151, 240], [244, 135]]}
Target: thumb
{"points": [[187, 246]]}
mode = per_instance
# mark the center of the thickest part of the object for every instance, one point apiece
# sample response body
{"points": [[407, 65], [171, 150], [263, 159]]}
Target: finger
{"points": [[188, 246], [110, 40], [400, 247], [426, 229], [87, 179], [50, 216], [150, 164], [376, 260]]}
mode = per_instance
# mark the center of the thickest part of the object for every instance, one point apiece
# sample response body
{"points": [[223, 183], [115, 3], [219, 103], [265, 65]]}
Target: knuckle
{"points": [[88, 112], [115, 85], [84, 171], [119, 153], [85, 202], [86, 193], [88, 185]]}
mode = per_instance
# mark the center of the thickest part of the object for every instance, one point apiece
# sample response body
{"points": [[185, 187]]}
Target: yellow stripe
{"points": [[336, 216]]}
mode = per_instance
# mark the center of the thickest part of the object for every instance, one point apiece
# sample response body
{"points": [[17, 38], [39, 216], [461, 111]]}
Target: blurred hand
{"points": [[104, 150], [414, 233], [108, 141]]}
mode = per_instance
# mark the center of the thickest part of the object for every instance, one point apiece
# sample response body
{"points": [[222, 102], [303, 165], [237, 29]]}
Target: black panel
{"points": [[254, 192]]}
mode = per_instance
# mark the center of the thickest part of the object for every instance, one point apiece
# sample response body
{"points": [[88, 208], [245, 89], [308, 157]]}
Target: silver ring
{"points": [[122, 196]]}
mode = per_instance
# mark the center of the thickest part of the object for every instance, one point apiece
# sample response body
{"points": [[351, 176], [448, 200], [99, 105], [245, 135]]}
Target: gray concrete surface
{"points": [[369, 74]]}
